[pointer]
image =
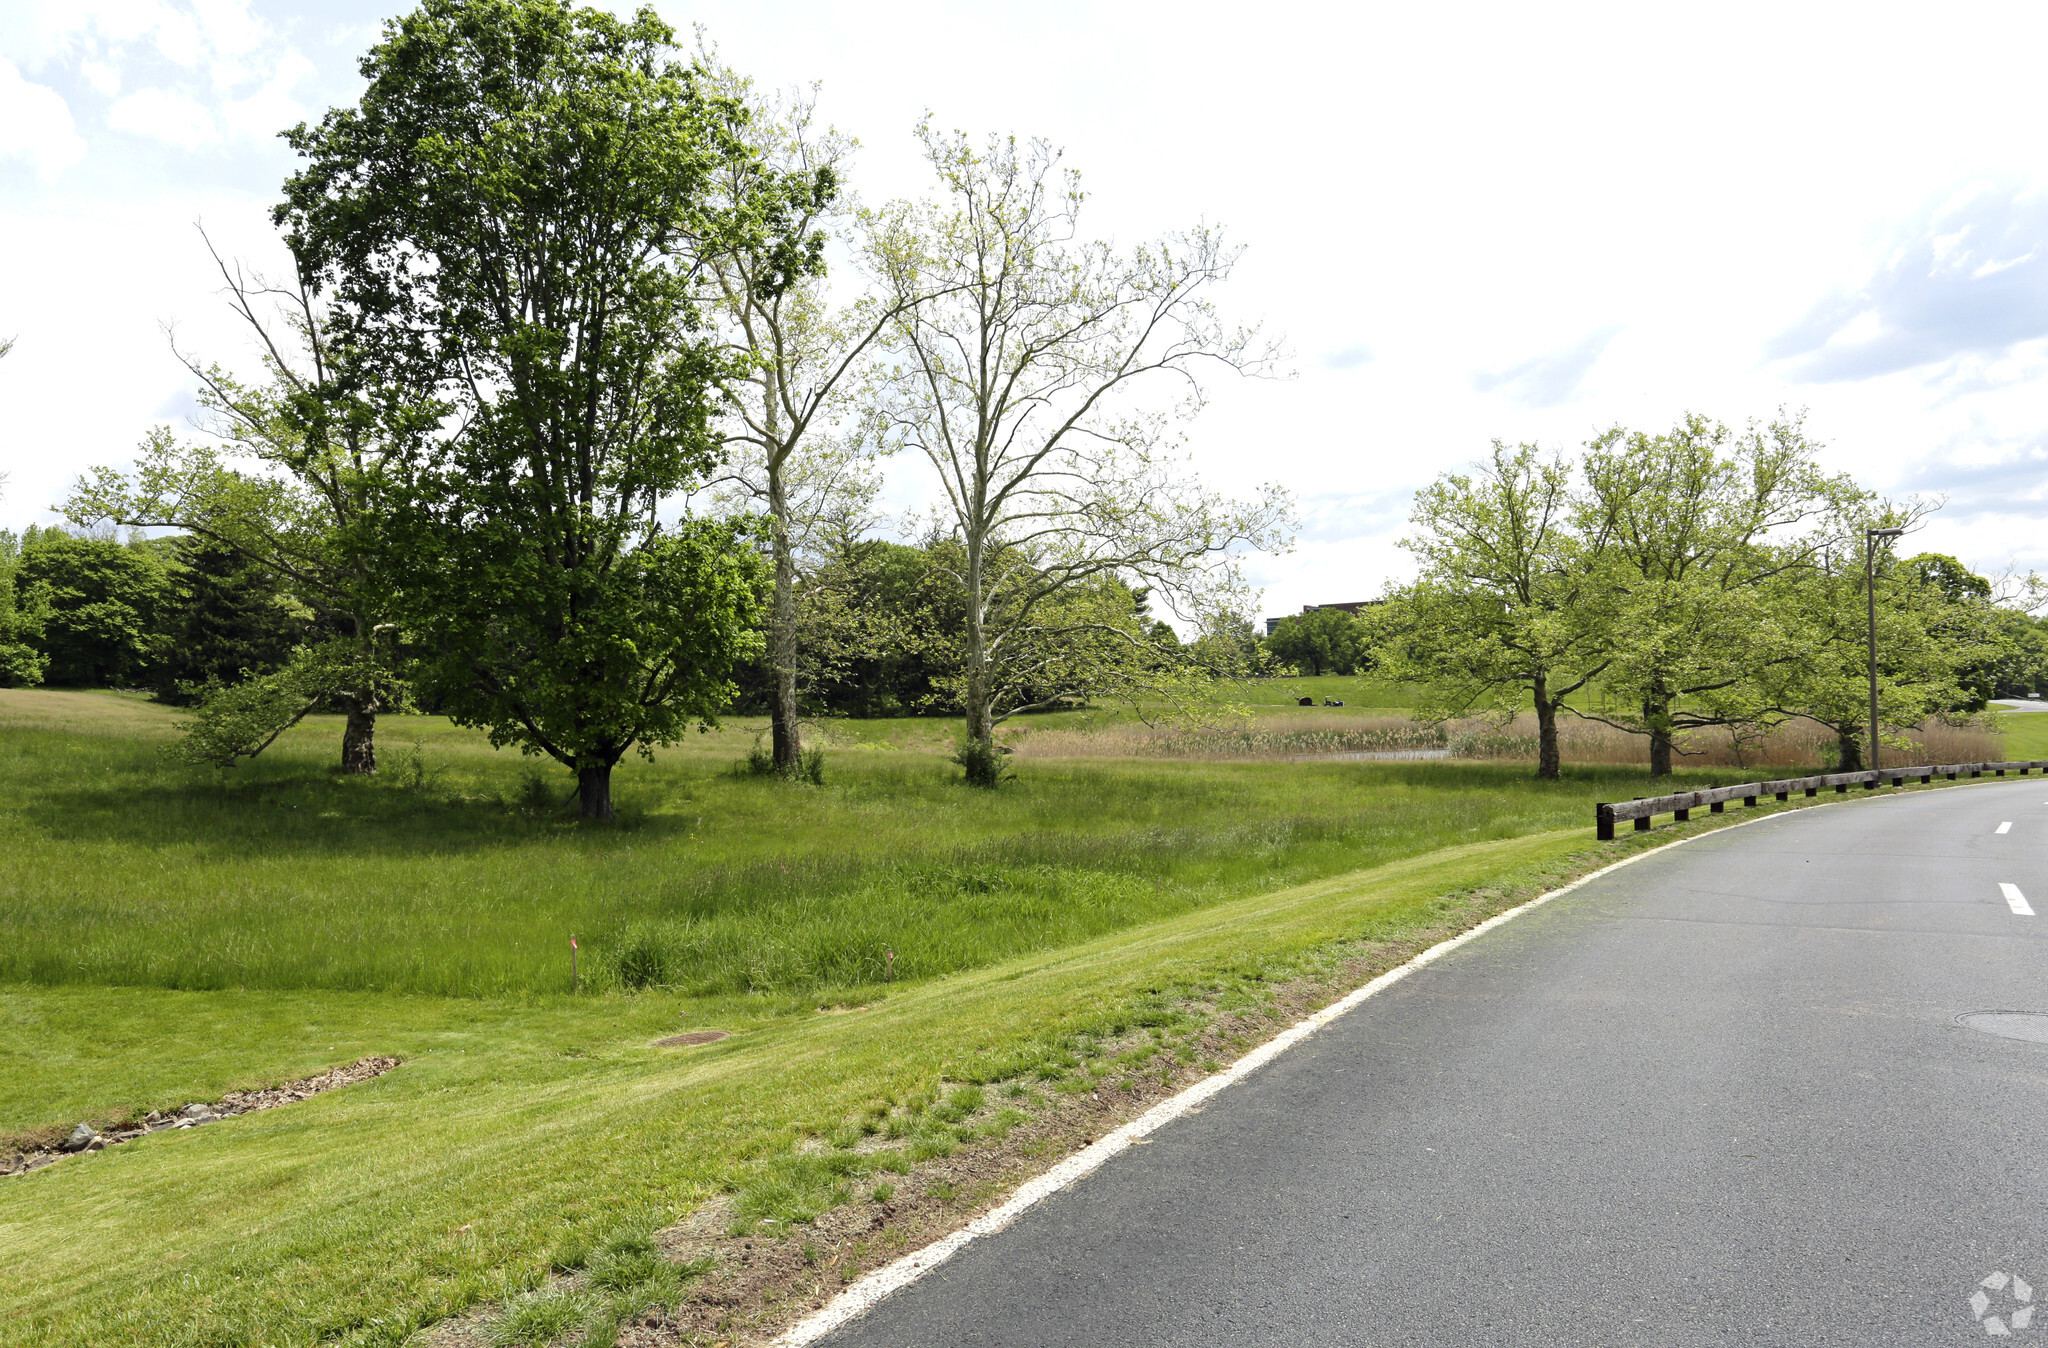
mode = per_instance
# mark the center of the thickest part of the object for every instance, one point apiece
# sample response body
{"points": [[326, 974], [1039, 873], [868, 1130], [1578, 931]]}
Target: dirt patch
{"points": [[693, 1037], [19, 1159]]}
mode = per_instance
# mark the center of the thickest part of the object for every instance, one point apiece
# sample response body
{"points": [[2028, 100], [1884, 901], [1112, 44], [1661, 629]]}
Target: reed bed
{"points": [[1793, 745], [1269, 737]]}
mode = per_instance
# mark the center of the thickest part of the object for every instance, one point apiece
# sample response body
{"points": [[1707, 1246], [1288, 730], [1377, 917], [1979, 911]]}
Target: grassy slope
{"points": [[2026, 734], [451, 1179]]}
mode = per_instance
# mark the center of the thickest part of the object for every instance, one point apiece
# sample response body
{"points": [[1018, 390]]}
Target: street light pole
{"points": [[1870, 537]]}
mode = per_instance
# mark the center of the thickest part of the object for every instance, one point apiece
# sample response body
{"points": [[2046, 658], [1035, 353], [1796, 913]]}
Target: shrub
{"points": [[810, 765], [982, 761]]}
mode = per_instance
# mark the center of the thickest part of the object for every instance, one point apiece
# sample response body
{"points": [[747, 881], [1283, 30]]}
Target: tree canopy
{"points": [[516, 224]]}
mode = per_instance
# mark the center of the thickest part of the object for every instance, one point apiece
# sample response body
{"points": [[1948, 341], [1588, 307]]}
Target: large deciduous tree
{"points": [[1708, 534], [1509, 607], [518, 218], [1022, 355], [1939, 634]]}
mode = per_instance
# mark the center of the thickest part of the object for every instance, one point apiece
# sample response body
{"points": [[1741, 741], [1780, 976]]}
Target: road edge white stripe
{"points": [[871, 1290], [2015, 900]]}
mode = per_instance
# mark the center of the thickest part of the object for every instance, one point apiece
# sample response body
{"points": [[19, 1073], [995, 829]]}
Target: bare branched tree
{"points": [[801, 451], [1025, 372]]}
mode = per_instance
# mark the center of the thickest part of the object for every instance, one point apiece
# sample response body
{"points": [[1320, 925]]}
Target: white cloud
{"points": [[160, 114], [1548, 380], [101, 76], [271, 108], [1969, 280], [35, 124]]}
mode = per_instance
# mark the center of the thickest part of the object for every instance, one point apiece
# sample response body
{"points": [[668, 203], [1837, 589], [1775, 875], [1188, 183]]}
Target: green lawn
{"points": [[174, 935], [124, 868], [2026, 734]]}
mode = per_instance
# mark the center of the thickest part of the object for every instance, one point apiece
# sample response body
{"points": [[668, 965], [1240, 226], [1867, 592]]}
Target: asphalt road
{"points": [[1719, 1097]]}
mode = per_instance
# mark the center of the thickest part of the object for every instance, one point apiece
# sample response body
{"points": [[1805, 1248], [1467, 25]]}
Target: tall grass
{"points": [[1279, 736], [1793, 745], [452, 877], [1796, 744]]}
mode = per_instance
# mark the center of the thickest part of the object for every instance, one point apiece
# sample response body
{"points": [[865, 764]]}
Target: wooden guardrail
{"points": [[1684, 803]]}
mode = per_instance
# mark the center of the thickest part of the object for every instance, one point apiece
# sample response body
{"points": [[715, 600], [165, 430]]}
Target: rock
{"points": [[196, 1112], [80, 1137], [97, 1144]]}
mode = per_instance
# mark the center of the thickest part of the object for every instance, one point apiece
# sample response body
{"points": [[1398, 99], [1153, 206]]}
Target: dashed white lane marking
{"points": [[2006, 827], [2015, 900]]}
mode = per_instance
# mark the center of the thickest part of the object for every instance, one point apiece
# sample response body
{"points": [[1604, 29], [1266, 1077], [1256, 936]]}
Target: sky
{"points": [[1467, 223]]}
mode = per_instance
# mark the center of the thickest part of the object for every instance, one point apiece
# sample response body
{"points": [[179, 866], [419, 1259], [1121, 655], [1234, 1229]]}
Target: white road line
{"points": [[2006, 827], [2015, 900], [872, 1289], [875, 1287]]}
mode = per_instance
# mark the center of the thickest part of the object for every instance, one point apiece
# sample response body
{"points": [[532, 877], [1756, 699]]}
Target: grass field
{"points": [[456, 873], [173, 936], [2026, 734]]}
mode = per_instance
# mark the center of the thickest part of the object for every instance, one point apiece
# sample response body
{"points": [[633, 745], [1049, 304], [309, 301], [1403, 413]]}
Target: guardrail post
{"points": [[1812, 790], [1716, 808], [1841, 788], [1785, 795], [1642, 823], [1603, 818], [1751, 801], [1870, 784]]}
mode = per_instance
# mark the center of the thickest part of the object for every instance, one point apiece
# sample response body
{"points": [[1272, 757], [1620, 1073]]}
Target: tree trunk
{"points": [[980, 711], [359, 741], [1657, 716], [1660, 753], [782, 710], [1549, 765], [594, 792], [1850, 747]]}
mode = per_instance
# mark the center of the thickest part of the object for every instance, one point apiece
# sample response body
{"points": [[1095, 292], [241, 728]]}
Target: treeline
{"points": [[182, 617], [168, 616], [565, 430], [1700, 578]]}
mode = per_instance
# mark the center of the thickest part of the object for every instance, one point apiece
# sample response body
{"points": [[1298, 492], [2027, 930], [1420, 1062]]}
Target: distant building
{"points": [[1351, 608]]}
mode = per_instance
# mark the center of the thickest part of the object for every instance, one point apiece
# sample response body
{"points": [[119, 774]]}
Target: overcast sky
{"points": [[1469, 222]]}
